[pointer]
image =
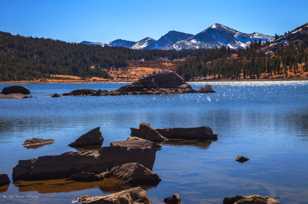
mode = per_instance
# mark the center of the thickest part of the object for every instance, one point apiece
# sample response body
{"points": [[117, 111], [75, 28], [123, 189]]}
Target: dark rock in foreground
{"points": [[133, 174], [93, 138], [145, 131], [4, 180], [165, 82], [136, 143], [241, 159], [70, 163], [173, 134], [251, 199], [174, 199], [15, 90], [37, 142], [130, 196]]}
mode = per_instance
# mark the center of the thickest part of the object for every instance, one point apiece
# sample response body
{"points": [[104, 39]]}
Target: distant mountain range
{"points": [[215, 36]]}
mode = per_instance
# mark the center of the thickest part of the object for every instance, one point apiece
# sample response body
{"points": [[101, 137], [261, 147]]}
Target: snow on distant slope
{"points": [[142, 44], [122, 43]]}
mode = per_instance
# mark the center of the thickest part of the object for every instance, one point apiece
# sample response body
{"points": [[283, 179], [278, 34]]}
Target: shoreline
{"points": [[114, 81]]}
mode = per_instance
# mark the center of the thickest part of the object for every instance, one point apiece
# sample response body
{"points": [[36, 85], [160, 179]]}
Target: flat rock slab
{"points": [[145, 131], [70, 163], [34, 143], [250, 199], [130, 196], [136, 143]]}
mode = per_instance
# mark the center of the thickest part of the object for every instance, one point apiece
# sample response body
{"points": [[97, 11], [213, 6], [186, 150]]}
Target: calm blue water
{"points": [[268, 122]]}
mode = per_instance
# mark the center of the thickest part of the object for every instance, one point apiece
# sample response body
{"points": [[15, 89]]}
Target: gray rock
{"points": [[4, 180], [70, 163], [241, 159], [174, 199], [93, 138], [15, 90], [136, 143], [130, 196], [133, 174], [145, 131], [37, 142], [250, 199]]}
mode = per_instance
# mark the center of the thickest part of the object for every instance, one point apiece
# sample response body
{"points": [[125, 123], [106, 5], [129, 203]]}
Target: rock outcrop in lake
{"points": [[241, 159], [15, 92], [130, 196], [133, 174], [70, 163], [165, 82], [136, 143], [4, 180], [91, 139], [145, 131], [174, 134], [174, 199], [34, 143], [250, 199]]}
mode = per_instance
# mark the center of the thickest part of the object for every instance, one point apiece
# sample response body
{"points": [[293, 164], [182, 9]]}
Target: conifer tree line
{"points": [[26, 58]]}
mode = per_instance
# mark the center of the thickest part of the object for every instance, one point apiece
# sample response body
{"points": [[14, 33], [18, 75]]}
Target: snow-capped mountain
{"points": [[122, 43], [167, 41], [218, 35], [299, 34], [143, 44], [215, 36]]}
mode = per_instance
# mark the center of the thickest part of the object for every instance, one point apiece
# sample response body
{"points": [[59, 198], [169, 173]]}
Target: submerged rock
{"points": [[81, 92], [130, 196], [70, 163], [4, 180], [37, 142], [93, 138], [145, 131], [55, 95], [136, 143], [241, 159], [250, 199], [133, 174], [15, 90], [174, 199], [206, 89]]}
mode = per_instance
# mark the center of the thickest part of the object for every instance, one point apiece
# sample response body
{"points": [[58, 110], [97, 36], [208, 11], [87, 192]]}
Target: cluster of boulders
{"points": [[15, 92], [165, 82]]}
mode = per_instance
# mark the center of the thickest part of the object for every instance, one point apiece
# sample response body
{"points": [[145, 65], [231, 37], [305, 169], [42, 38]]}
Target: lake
{"points": [[266, 121]]}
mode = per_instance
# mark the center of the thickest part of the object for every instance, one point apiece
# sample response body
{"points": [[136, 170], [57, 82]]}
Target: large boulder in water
{"points": [[171, 134], [145, 131], [161, 80], [250, 199], [133, 174], [194, 133], [93, 138], [81, 92], [70, 163], [130, 196], [4, 180], [15, 90], [174, 199]]}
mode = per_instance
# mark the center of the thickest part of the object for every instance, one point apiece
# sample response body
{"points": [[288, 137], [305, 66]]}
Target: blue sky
{"points": [[106, 20]]}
